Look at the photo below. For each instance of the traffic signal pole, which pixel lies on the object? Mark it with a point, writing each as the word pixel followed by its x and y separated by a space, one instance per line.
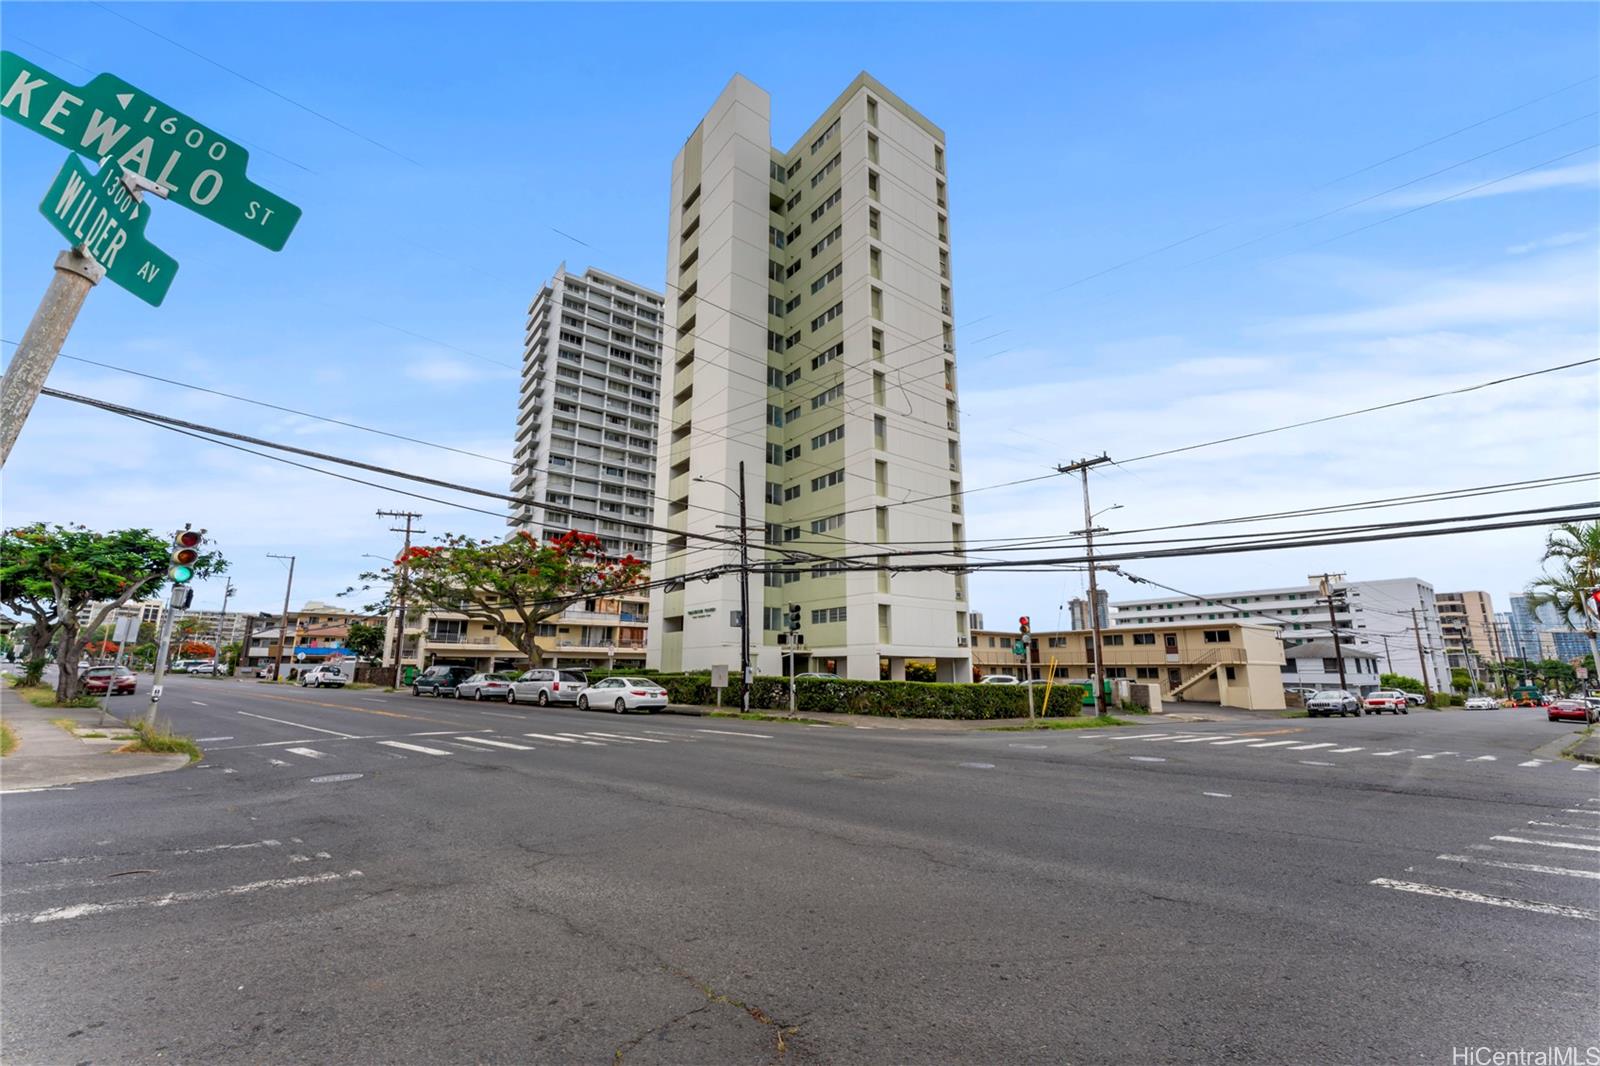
pixel 76 273
pixel 161 654
pixel 283 626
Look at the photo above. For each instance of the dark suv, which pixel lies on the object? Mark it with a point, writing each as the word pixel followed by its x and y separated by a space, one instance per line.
pixel 439 681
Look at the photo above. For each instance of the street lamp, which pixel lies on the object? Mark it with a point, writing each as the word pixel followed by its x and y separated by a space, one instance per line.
pixel 744 587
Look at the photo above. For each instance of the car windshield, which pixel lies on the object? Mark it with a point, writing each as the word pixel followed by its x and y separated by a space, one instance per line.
pixel 568 675
pixel 641 682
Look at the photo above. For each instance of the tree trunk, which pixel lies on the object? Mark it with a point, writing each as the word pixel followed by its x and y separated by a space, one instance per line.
pixel 68 648
pixel 39 637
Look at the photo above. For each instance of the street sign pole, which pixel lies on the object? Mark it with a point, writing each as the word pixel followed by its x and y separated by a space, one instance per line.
pixel 75 275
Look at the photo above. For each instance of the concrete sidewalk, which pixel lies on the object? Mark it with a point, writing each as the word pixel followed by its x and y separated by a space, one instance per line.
pixel 1587 749
pixel 47 756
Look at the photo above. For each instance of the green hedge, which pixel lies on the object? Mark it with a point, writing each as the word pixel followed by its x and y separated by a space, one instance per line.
pixel 899 699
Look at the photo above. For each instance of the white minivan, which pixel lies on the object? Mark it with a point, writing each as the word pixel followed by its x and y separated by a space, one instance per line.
pixel 327 674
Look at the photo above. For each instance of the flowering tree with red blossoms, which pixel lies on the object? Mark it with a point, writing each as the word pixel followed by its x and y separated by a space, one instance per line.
pixel 512 584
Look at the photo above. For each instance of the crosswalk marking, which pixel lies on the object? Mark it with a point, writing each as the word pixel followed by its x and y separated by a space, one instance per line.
pixel 1534 762
pixel 606 737
pixel 1483 758
pixel 310 753
pixel 1192 740
pixel 1494 901
pixel 1436 754
pixel 277 762
pixel 1548 843
pixel 413 747
pixel 1273 744
pixel 1239 740
pixel 498 743
pixel 1569 825
pixel 579 737
pixel 1309 747
pixel 548 736
pixel 1397 751
pixel 1145 736
pixel 1578 810
pixel 1344 751
pixel 734 733
pixel 1586 766
pixel 1593 875
pixel 618 736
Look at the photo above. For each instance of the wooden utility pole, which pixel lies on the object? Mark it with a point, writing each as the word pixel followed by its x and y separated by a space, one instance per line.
pixel 283 625
pixel 1082 467
pixel 1333 626
pixel 401 584
pixel 1422 658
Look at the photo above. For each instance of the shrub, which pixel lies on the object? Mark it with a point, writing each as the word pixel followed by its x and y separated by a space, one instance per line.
pixel 161 741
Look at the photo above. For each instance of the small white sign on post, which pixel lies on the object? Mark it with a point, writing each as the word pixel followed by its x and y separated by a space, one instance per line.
pixel 719 681
pixel 126 629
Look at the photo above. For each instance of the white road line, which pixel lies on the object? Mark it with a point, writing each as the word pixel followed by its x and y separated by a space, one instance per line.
pixel 1493 901
pixel 1311 747
pixel 498 714
pixel 1344 751
pixel 735 733
pixel 1146 758
pixel 1397 751
pixel 617 740
pixel 678 733
pixel 1436 754
pixel 1192 740
pixel 1167 736
pixel 1569 825
pixel 1534 762
pixel 277 762
pixel 1586 766
pixel 447 733
pixel 1579 810
pixel 470 747
pixel 1143 736
pixel 297 725
pixel 210 740
pixel 90 910
pixel 226 847
pixel 1241 740
pixel 548 736
pixel 620 736
pixel 1219 795
pixel 47 788
pixel 498 743
pixel 1314 762
pixel 1593 875
pixel 1274 744
pixel 1484 758
pixel 197 703
pixel 310 753
pixel 412 747
pixel 1548 843
pixel 582 739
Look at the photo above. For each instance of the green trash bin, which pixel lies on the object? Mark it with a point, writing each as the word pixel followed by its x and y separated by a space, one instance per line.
pixel 408 675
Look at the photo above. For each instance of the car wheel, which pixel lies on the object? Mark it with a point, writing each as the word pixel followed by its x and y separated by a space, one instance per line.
pixel 477 695
pixel 511 696
pixel 583 702
pixel 1405 710
pixel 622 705
pixel 415 691
pixel 544 698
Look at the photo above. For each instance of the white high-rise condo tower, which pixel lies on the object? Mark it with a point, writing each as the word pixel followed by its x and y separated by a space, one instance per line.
pixel 810 336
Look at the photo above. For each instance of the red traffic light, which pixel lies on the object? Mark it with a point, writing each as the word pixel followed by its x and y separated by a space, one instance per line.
pixel 187 538
pixel 1023 623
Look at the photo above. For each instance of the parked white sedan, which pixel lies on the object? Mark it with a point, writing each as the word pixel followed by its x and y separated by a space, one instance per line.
pixel 624 694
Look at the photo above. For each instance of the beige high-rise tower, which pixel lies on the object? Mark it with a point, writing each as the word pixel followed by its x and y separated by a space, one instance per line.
pixel 809 335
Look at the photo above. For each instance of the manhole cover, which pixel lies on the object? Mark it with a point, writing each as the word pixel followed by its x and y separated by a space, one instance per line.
pixel 328 779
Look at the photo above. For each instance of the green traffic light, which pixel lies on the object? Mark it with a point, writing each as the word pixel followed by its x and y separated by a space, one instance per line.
pixel 181 574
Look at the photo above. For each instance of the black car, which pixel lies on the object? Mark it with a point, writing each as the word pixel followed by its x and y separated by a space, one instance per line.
pixel 439 681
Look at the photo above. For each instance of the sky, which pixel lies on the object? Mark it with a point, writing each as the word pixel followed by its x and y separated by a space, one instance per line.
pixel 1169 224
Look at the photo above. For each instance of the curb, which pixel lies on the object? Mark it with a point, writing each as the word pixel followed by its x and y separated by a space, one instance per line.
pixel 1590 738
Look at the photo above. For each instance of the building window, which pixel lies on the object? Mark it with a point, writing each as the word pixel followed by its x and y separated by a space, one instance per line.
pixel 1111 640
pixel 822 440
pixel 827 356
pixel 872 111
pixel 791 533
pixel 822 208
pixel 791 453
pixel 774 451
pixel 774 415
pixel 1116 671
pixel 827 316
pixel 827 614
pixel 1217 636
pixel 791 414
pixel 827 168
pixel 1228 670
pixel 1147 673
pixel 827 134
pixel 791 377
pixel 791 493
pixel 823 525
pixel 828 480
pixel 818 248
pixel 833 272
pixel 1144 638
pixel 827 397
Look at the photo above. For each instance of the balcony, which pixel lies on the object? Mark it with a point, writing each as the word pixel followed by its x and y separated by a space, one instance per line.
pixel 443 642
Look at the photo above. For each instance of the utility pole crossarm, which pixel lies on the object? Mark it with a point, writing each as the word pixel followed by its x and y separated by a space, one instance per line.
pixel 1081 467
pixel 402 583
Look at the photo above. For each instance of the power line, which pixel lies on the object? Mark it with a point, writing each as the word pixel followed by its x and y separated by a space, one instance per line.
pixel 263 87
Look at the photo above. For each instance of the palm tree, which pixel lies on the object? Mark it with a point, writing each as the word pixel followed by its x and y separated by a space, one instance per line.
pixel 1574 549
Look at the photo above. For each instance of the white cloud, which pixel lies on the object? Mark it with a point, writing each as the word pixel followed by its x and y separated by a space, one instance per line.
pixel 1559 240
pixel 1576 175
pixel 438 371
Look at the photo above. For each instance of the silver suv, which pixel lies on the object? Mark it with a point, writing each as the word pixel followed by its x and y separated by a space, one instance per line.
pixel 545 686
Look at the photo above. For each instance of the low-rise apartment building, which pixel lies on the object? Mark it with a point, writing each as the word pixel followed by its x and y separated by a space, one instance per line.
pixel 1314 665
pixel 1227 663
pixel 604 632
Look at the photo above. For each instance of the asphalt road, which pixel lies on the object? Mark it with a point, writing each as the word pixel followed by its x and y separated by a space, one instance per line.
pixel 524 885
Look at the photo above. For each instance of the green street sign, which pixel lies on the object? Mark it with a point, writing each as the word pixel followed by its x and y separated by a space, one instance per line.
pixel 1019 648
pixel 110 118
pixel 98 213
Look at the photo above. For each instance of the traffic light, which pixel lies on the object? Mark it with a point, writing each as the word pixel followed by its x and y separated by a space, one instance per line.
pixel 185 553
pixel 794 618
pixel 1023 624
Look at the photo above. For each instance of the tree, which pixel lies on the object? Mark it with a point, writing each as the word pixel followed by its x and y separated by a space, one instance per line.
pixel 366 640
pixel 195 649
pixel 231 654
pixel 1401 682
pixel 186 629
pixel 1460 679
pixel 1572 570
pixel 54 572
pixel 1558 674
pixel 512 584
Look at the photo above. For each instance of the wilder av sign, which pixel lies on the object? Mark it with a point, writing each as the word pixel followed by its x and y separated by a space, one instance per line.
pixel 97 213
pixel 108 118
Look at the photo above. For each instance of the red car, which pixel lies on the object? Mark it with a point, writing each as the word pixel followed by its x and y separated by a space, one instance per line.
pixel 1572 711
pixel 119 679
pixel 1386 699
